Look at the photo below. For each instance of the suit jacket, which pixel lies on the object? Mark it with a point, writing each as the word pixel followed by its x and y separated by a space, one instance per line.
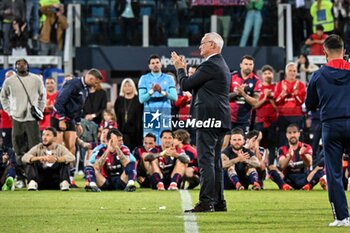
pixel 210 86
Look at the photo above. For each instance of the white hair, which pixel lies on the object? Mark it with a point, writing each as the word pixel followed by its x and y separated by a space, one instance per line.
pixel 131 82
pixel 290 64
pixel 216 38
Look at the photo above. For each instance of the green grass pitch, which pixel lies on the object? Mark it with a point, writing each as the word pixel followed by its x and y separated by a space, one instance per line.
pixel 150 211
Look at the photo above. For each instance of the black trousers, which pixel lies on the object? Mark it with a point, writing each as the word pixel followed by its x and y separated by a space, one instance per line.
pixel 209 142
pixel 48 177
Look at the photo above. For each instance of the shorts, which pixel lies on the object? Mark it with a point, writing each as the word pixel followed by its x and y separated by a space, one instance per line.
pixel 54 122
pixel 113 183
pixel 296 180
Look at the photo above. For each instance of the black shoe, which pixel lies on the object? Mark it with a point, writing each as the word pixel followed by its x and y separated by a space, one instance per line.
pixel 201 207
pixel 220 206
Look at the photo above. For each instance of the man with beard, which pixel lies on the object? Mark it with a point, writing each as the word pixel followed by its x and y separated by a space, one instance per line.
pixel 48 164
pixel 244 93
pixel 239 164
pixel 25 128
pixel 295 160
pixel 156 91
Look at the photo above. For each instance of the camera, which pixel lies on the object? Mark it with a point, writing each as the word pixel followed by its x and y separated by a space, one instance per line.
pixel 346 57
pixel 54 9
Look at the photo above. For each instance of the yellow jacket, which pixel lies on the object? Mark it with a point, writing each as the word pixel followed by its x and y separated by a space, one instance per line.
pixel 322 16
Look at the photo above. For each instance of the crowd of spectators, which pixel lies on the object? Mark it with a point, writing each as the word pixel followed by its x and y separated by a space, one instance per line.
pixel 36 27
pixel 32 27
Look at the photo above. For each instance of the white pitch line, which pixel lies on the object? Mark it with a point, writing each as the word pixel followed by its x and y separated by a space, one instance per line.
pixel 190 222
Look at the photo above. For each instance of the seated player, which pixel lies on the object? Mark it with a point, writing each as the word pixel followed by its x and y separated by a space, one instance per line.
pixel 318 174
pixel 295 160
pixel 182 141
pixel 145 156
pixel 171 163
pixel 48 163
pixel 7 169
pixel 275 172
pixel 253 144
pixel 97 152
pixel 115 169
pixel 239 164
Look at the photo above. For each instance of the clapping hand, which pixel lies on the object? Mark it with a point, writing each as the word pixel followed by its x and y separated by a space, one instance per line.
pixel 157 87
pixel 240 89
pixel 302 149
pixel 291 152
pixel 187 94
pixel 178 61
pixel 284 89
pixel 267 93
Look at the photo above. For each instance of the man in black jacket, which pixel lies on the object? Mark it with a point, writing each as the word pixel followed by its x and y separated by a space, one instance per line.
pixel 211 113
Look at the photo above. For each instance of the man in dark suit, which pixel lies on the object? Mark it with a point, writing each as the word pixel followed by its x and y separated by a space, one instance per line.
pixel 211 112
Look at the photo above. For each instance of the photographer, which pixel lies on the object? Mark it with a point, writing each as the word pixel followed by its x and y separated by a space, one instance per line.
pixel 51 36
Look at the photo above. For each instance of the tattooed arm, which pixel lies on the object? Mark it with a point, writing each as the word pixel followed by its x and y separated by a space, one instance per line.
pixel 124 159
pixel 102 160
